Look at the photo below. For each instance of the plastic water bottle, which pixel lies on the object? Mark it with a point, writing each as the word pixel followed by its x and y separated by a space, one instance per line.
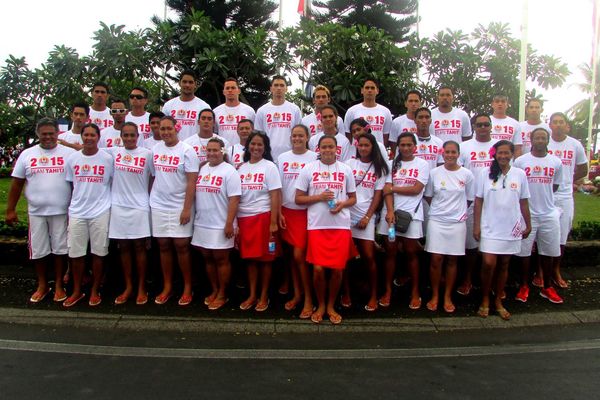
pixel 392 233
pixel 353 221
pixel 272 244
pixel 331 202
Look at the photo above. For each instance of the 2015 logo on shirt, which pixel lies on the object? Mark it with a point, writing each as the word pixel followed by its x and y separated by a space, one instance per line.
pixel 44 160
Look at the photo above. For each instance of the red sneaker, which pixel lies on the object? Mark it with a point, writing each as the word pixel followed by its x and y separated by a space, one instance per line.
pixel 537 281
pixel 523 294
pixel 551 295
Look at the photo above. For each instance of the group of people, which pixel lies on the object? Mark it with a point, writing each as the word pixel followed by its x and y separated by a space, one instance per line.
pixel 315 190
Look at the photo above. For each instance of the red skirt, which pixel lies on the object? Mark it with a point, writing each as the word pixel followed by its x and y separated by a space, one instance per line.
pixel 254 237
pixel 330 248
pixel 295 233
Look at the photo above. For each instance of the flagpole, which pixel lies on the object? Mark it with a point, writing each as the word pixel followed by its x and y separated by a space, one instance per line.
pixel 523 74
pixel 594 64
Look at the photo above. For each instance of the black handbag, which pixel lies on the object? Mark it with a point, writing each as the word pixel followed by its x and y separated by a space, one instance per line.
pixel 403 219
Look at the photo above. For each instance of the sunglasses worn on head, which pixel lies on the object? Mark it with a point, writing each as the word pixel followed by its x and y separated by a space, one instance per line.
pixel 136 96
pixel 482 124
pixel 118 110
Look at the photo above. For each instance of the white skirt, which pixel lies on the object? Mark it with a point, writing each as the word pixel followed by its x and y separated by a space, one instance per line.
pixel 365 234
pixel 128 223
pixel 446 238
pixel 497 246
pixel 212 239
pixel 165 223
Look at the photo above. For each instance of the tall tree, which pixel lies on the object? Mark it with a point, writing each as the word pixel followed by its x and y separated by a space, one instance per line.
pixel 580 111
pixel 243 15
pixel 394 17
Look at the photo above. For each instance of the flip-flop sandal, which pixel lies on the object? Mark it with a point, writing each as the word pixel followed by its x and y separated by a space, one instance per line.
pixel 95 301
pixel 483 312
pixel 503 313
pixel 416 305
pixel 59 299
pixel 38 299
pixel 384 301
pixel 208 299
pixel 369 308
pixel 71 301
pixel 464 291
pixel 162 299
pixel 560 284
pixel 121 299
pixel 260 307
pixel 432 306
pixel 185 299
pixel 141 299
pixel 216 304
pixel 246 305
pixel 335 319
pixel 449 308
pixel 345 304
pixel 306 314
pixel 291 305
pixel 316 318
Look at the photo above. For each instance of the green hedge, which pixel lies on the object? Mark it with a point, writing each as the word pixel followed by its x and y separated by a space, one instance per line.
pixel 5 172
pixel 586 230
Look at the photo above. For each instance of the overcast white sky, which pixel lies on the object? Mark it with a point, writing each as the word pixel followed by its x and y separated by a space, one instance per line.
pixel 563 29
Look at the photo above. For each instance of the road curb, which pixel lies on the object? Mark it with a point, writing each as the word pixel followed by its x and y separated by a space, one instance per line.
pixel 49 318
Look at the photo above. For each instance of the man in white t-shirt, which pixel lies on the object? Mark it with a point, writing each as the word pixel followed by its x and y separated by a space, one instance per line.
pixel 321 97
pixel 90 171
pixel 186 107
pixel 99 112
pixel 229 114
pixel 154 119
pixel 236 151
pixel 533 111
pixel 448 122
pixel 329 116
pixel 42 168
pixel 475 156
pixel 429 148
pixel 406 122
pixel 575 166
pixel 379 117
pixel 111 136
pixel 80 113
pixel 277 117
pixel 505 127
pixel 206 122
pixel 544 175
pixel 138 98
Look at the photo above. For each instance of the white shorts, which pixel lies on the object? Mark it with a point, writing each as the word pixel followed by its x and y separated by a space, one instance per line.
pixel 497 246
pixel 447 238
pixel 128 223
pixel 567 207
pixel 165 223
pixel 94 231
pixel 470 242
pixel 47 234
pixel 212 239
pixel 365 234
pixel 545 232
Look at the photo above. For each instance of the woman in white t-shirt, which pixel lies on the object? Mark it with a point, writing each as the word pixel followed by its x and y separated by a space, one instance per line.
pixel 218 191
pixel 501 206
pixel 449 192
pixel 258 215
pixel 370 171
pixel 404 191
pixel 293 219
pixel 328 189
pixel 172 204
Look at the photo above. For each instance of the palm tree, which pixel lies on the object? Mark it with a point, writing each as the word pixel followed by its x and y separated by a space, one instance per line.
pixel 580 111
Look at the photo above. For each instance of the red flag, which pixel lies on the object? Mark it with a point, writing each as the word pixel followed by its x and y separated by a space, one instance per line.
pixel 301 7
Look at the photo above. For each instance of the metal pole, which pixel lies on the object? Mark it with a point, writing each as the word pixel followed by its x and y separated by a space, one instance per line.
pixel 596 25
pixel 523 74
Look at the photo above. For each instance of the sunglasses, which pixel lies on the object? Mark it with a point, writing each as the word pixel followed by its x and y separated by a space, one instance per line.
pixel 482 125
pixel 136 96
pixel 118 110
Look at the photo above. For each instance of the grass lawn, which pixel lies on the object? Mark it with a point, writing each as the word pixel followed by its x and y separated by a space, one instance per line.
pixel 21 205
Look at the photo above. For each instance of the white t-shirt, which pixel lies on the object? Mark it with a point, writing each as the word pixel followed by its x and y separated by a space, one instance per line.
pixel 70 137
pixel 214 187
pixel 343 150
pixel 475 155
pixel 46 191
pixel 290 165
pixel 378 117
pixel 313 123
pixel 277 122
pixel 151 142
pixel 110 137
pixel 382 150
pixel 101 118
pixel 132 172
pixel 400 125
pixel 409 173
pixel 199 144
pixel 170 167
pixel 366 183
pixel 453 125
pixel 258 180
pixel 143 124
pixel 506 128
pixel 526 130
pixel 450 191
pixel 227 119
pixel 501 217
pixel 316 178
pixel 236 155
pixel 571 153
pixel 186 113
pixel 542 173
pixel 91 177
pixel 430 150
